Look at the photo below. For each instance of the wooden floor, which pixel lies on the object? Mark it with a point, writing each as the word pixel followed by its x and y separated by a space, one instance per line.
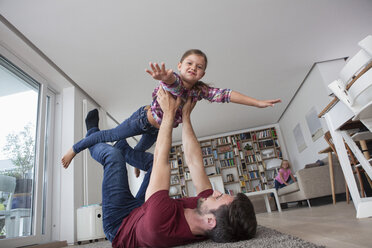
pixel 329 225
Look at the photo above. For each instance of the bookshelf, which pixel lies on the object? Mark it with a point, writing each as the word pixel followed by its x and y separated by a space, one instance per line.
pixel 237 161
pixel 179 173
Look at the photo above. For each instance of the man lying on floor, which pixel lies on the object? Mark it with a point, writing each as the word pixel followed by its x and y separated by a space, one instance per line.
pixel 152 218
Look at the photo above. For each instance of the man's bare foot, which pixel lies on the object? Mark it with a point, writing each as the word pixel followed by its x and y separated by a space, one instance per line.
pixel 66 160
pixel 137 172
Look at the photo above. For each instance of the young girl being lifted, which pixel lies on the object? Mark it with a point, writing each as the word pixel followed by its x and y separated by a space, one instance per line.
pixel 146 120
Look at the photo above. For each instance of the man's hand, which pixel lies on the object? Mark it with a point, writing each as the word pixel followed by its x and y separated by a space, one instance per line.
pixel 167 102
pixel 162 74
pixel 188 107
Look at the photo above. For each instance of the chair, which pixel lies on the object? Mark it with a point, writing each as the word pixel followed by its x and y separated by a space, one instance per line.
pixel 353 89
pixel 356 170
pixel 354 86
pixel 366 44
pixel 7 185
pixel 17 221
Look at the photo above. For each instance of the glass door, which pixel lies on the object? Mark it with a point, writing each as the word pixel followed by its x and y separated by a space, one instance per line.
pixel 25 134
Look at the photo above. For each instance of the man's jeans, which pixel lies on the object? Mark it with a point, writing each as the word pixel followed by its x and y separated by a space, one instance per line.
pixel 117 199
pixel 135 125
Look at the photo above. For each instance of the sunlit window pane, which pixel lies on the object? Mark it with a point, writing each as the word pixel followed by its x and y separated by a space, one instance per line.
pixel 18 110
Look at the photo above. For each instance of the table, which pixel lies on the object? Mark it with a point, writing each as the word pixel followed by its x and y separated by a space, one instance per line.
pixel 265 193
pixel 329 151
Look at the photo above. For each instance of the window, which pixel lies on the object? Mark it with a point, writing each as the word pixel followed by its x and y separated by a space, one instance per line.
pixel 25 138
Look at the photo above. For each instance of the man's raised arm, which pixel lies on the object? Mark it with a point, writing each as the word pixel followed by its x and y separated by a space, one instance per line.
pixel 160 175
pixel 192 150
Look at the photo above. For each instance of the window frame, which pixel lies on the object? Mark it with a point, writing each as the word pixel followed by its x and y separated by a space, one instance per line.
pixel 13 64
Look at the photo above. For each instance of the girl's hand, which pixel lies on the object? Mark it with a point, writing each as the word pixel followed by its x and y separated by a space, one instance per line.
pixel 267 103
pixel 161 74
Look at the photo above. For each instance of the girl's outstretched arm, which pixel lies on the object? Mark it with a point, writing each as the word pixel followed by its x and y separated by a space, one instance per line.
pixel 161 74
pixel 237 97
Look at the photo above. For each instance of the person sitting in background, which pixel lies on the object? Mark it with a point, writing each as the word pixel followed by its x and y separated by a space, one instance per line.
pixel 285 176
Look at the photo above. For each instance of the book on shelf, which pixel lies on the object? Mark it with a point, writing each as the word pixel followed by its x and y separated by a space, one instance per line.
pixel 182 181
pixel 252 167
pixel 254 137
pixel 233 140
pixel 223 149
pixel 173 164
pixel 245 136
pixel 273 133
pixel 208 161
pixel 227 163
pixel 241 154
pixel 224 140
pixel 263 179
pixel 205 143
pixel 218 170
pixel 279 153
pixel 236 151
pixel 183 190
pixel 254 175
pixel 226 155
pixel 206 151
pixel 261 168
pixel 266 143
pixel 265 134
pixel 215 154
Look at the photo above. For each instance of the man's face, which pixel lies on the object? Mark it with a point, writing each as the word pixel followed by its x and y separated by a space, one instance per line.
pixel 213 202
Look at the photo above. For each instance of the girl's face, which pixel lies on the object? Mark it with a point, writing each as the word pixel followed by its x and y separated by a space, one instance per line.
pixel 285 165
pixel 191 69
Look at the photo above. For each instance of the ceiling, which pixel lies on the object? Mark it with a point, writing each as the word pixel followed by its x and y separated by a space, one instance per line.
pixel 262 48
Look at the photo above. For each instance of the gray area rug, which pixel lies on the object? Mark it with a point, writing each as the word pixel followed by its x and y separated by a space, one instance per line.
pixel 265 237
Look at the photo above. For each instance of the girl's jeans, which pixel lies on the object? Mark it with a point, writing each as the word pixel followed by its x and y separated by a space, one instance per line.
pixel 135 125
pixel 280 185
pixel 117 199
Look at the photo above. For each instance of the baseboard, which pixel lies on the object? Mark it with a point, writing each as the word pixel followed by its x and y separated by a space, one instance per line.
pixel 54 244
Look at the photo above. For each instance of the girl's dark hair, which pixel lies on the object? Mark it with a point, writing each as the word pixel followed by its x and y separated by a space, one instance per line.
pixel 234 222
pixel 200 85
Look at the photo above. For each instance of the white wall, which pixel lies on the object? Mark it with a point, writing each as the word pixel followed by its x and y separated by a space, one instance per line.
pixel 313 93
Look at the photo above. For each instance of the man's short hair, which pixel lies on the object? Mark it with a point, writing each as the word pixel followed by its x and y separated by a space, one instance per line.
pixel 234 222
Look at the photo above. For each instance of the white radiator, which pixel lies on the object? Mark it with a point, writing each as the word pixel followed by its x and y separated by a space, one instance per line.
pixel 89 223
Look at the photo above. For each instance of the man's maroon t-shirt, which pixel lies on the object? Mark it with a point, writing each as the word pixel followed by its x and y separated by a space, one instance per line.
pixel 159 222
